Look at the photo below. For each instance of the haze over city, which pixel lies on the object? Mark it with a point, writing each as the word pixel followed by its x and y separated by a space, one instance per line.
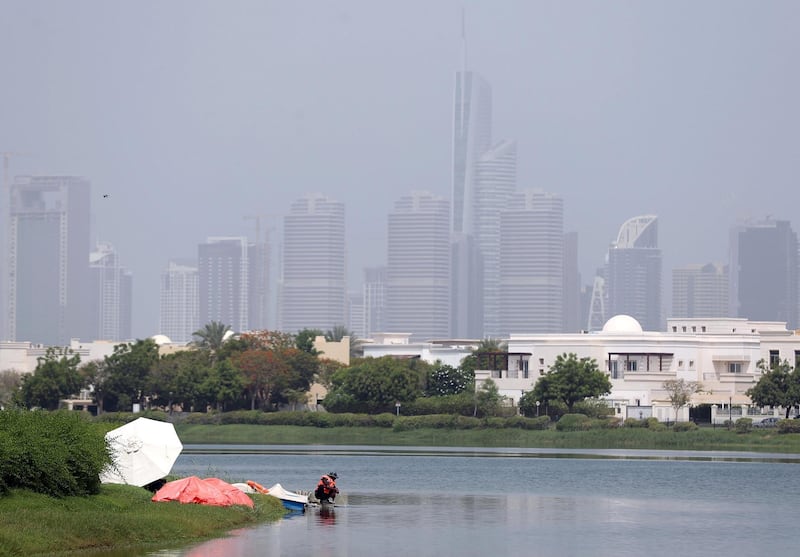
pixel 187 117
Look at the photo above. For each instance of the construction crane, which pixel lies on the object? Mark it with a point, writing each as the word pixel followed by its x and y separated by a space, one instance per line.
pixel 258 218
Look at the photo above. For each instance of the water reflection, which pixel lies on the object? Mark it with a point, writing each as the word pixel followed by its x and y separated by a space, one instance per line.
pixel 516 502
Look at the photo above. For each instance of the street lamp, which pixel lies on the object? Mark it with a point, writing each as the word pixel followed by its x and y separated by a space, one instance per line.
pixel 397 408
pixel 730 410
pixel 537 408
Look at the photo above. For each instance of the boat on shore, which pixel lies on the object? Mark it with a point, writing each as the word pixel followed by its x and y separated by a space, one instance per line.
pixel 292 500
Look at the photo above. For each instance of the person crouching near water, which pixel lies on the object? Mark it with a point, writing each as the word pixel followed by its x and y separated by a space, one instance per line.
pixel 326 490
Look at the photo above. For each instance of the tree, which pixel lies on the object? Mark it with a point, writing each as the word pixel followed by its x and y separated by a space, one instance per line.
pixel 212 336
pixel 570 380
pixel 446 380
pixel 778 385
pixel 485 356
pixel 376 384
pixel 339 332
pixel 679 392
pixel 263 371
pixel 56 376
pixel 128 370
pixel 223 386
pixel 304 340
pixel 488 399
pixel 10 381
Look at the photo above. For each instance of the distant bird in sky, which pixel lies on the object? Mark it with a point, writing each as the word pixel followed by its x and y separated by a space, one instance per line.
pixel 105 195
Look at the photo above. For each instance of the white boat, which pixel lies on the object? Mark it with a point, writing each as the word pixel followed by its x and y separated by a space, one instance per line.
pixel 291 500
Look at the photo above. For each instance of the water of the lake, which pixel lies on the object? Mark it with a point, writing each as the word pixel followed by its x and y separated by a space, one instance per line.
pixel 509 502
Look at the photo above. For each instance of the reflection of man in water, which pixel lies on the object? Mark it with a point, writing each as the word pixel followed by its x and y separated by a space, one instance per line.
pixel 327 516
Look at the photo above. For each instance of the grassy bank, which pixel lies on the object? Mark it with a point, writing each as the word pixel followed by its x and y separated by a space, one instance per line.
pixel 703 439
pixel 119 518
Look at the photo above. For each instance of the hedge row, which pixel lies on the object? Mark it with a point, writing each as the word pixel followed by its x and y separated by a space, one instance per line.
pixel 387 420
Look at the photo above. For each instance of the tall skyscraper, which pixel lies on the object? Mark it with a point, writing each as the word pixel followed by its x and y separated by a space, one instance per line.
pixel 532 264
pixel 572 286
pixel 472 130
pixel 313 289
pixel 374 300
pixel 418 271
pixel 179 311
pixel 495 183
pixel 763 271
pixel 110 300
pixel 700 291
pixel 224 266
pixel 355 314
pixel 634 273
pixel 48 259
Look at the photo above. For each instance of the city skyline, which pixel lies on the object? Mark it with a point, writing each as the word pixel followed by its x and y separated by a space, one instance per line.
pixel 621 110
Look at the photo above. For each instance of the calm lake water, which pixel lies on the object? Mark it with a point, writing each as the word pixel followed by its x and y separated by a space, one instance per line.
pixel 533 502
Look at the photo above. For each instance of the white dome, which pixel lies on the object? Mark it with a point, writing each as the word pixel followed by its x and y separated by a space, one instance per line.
pixel 228 334
pixel 161 339
pixel 622 324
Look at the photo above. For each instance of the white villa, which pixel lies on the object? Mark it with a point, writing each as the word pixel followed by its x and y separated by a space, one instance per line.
pixel 720 353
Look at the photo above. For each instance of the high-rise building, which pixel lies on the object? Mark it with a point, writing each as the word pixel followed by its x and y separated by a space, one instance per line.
pixel 313 289
pixel 634 273
pixel 700 291
pixel 763 271
pixel 495 183
pixel 110 300
pixel 48 289
pixel 179 311
pixel 259 299
pixel 532 264
pixel 418 270
pixel 374 300
pixel 572 286
pixel 355 314
pixel 472 131
pixel 224 266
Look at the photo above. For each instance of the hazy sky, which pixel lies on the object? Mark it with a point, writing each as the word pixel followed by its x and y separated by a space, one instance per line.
pixel 193 114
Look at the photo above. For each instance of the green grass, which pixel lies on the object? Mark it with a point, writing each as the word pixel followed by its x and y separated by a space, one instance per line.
pixel 120 517
pixel 703 439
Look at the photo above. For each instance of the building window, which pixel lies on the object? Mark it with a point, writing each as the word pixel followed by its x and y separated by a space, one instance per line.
pixel 703 329
pixel 541 361
pixel 680 364
pixel 774 358
pixel 691 364
pixel 674 329
pixel 694 329
pixel 541 372
pixel 796 358
pixel 734 367
pixel 630 365
pixel 684 328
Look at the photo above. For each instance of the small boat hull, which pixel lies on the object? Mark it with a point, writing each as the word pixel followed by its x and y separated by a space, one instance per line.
pixel 292 501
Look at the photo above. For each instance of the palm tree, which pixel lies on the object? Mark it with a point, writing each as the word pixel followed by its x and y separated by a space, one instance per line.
pixel 339 332
pixel 212 336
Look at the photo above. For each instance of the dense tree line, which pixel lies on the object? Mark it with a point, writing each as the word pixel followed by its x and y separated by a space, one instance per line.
pixel 266 370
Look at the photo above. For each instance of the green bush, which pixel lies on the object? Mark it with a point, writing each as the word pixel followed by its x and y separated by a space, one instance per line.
pixel 789 426
pixel 520 422
pixel 611 422
pixel 593 408
pixel 574 422
pixel 686 426
pixel 633 422
pixel 55 453
pixel 744 425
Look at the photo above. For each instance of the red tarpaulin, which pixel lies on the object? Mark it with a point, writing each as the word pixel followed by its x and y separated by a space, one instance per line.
pixel 211 491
